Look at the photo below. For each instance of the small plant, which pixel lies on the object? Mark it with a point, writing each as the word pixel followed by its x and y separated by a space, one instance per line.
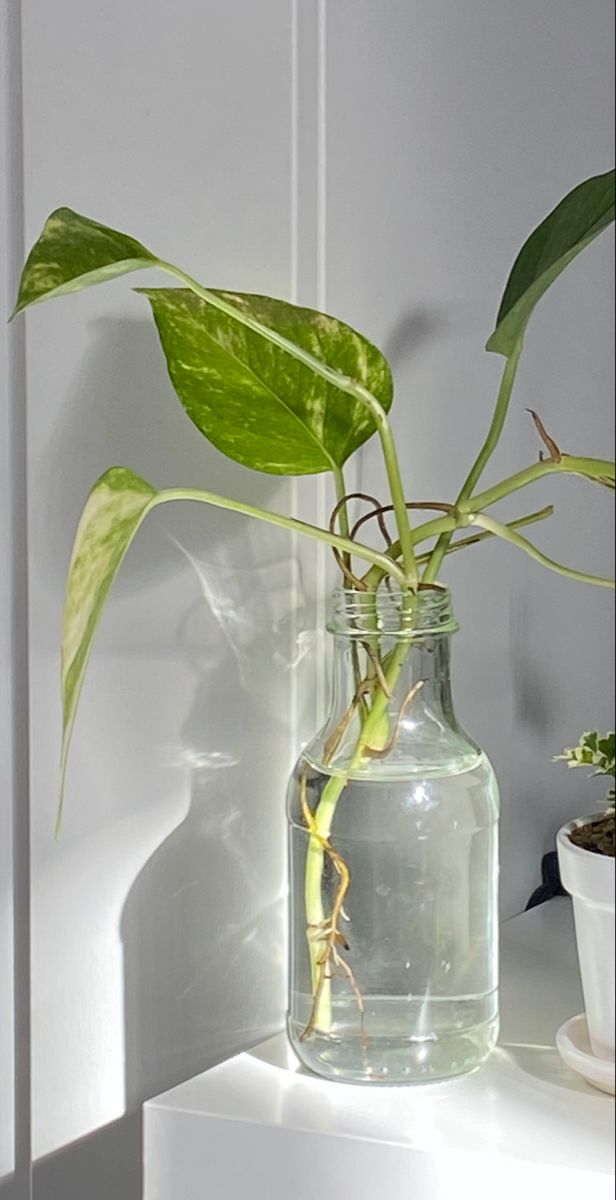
pixel 290 391
pixel 597 750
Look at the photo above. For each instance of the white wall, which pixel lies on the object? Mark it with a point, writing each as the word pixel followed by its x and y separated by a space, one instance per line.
pixel 453 129
pixel 7 1160
pixel 385 161
pixel 158 920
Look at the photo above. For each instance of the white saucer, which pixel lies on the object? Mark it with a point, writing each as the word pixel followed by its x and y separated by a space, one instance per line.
pixel 574 1048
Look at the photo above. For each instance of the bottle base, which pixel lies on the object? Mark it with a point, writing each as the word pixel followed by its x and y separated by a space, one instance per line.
pixel 388 1059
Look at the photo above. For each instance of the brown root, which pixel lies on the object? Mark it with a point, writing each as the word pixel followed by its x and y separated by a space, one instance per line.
pixel 379 512
pixel 377 667
pixel 344 560
pixel 364 687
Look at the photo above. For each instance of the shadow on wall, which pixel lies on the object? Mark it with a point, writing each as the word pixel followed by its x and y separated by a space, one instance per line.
pixel 122 411
pixel 99 1167
pixel 414 331
pixel 202 927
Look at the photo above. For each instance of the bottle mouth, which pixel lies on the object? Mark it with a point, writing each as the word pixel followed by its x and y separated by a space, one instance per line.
pixel 391 612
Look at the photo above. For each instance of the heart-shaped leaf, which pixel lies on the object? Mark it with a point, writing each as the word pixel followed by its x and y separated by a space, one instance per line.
pixel 256 402
pixel 269 383
pixel 576 222
pixel 74 252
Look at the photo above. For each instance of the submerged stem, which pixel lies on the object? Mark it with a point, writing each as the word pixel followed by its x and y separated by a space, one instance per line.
pixel 321 827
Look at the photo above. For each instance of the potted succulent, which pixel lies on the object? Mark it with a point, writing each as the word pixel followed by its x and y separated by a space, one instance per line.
pixel 393 808
pixel 586 857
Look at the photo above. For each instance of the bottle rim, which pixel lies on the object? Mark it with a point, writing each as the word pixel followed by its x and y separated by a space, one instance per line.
pixel 392 613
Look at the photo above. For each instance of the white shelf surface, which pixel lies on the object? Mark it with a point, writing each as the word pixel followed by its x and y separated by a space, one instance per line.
pixel 259 1128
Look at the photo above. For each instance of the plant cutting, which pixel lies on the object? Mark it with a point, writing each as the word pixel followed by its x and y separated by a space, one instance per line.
pixel 393 808
pixel 586 857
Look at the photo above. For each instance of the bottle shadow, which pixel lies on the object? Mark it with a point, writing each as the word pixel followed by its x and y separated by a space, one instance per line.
pixel 203 925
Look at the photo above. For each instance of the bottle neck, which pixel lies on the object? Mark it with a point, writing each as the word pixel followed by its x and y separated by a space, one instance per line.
pixel 391 702
pixel 424 668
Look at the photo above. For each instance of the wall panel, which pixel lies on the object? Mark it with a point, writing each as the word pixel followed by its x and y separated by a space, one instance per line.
pixel 158 919
pixel 452 130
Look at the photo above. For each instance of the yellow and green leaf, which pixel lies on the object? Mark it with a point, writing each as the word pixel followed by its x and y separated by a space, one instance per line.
pixel 252 399
pixel 73 253
pixel 116 507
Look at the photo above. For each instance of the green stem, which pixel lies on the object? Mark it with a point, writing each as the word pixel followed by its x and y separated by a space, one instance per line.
pixel 382 561
pixel 313 896
pixel 343 513
pixel 433 528
pixel 476 538
pixel 422 533
pixel 405 533
pixel 498 423
pixel 323 818
pixel 494 433
pixel 516 539
pixel 336 379
pixel 597 470
pixel 343 516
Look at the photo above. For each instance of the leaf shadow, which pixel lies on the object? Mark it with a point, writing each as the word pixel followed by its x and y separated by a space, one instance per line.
pixel 206 912
pixel 186 965
pixel 121 410
pixel 414 330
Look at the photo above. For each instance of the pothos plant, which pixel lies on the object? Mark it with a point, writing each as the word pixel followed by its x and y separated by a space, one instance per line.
pixel 290 391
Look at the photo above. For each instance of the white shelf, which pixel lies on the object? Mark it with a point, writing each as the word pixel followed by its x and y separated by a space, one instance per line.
pixel 259 1128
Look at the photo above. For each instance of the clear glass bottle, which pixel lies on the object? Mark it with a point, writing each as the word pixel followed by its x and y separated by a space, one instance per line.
pixel 393 816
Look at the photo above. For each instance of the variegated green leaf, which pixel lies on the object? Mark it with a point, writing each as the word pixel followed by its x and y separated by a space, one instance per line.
pixel 269 383
pixel 256 402
pixel 74 252
pixel 596 750
pixel 572 226
pixel 117 505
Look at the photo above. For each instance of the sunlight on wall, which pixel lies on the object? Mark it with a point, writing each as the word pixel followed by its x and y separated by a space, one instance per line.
pixel 154 909
pixel 78 904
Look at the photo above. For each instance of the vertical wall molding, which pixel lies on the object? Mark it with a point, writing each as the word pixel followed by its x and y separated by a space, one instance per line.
pixel 16 531
pixel 311 497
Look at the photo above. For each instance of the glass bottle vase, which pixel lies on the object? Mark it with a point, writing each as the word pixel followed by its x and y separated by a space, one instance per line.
pixel 393 833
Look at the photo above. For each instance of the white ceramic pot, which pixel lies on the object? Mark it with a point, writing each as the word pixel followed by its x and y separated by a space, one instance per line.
pixel 590 880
